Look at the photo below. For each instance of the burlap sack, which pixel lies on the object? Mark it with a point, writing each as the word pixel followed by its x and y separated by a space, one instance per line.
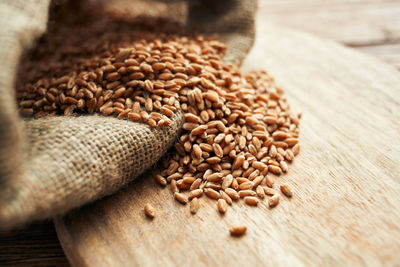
pixel 51 165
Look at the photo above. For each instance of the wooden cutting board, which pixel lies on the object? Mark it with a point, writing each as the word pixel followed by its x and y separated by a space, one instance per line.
pixel 346 179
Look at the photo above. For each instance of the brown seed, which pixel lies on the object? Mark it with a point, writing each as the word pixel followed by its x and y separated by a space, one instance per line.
pixel 149 211
pixel 289 155
pixel 188 179
pixel 272 151
pixel 211 96
pixel 291 141
pixel 253 175
pixel 275 169
pixel 238 230
pixel 226 197
pixel 222 205
pixel 165 76
pixel 146 67
pixel 296 149
pixel 242 142
pixel 246 185
pixel 26 111
pixel 204 116
pixel 218 150
pixel 174 176
pixel 199 130
pixel 181 198
pixel 273 201
pixel 197 151
pixel 238 162
pixel 174 186
pixel 235 184
pixel 260 192
pixel 286 190
pixel 227 181
pixel 269 191
pixel 213 160
pixel 206 147
pixel 270 120
pixel 195 184
pixel 158 66
pixel 152 123
pixel 211 193
pixel 259 166
pixel 195 193
pixel 173 167
pixel 232 193
pixel 194 205
pixel 189 117
pixel 107 111
pixel 215 186
pixel 148 85
pixel 149 105
pixel 144 116
pixel 241 180
pixel 283 165
pixel 258 180
pixel 215 177
pixel 246 193
pixel 161 180
pixel 252 201
pixel 166 111
pixel 134 116
pixel 269 181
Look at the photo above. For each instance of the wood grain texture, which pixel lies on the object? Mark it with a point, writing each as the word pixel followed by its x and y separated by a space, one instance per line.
pixel 345 209
pixel 372 26
pixel 34 245
pixel 390 53
pixel 354 22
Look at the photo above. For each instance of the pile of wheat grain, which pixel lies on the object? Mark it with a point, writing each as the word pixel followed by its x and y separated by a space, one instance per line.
pixel 238 127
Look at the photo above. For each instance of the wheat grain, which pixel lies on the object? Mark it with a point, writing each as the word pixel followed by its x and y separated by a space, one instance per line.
pixel 222 205
pixel 194 205
pixel 238 230
pixel 149 211
pixel 252 201
pixel 181 198
pixel 273 201
pixel 286 190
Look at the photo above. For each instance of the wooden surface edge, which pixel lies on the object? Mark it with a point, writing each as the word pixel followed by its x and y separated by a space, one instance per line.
pixel 75 259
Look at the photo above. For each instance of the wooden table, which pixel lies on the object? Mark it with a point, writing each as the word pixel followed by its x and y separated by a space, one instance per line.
pixel 369 26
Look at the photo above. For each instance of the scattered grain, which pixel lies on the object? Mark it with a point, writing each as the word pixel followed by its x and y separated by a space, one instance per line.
pixel 238 230
pixel 222 205
pixel 181 198
pixel 252 201
pixel 286 190
pixel 149 211
pixel 273 201
pixel 194 205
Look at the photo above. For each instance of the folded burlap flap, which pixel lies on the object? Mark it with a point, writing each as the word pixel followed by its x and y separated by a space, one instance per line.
pixel 51 165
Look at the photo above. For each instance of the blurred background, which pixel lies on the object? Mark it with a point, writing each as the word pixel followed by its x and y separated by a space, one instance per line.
pixel 369 26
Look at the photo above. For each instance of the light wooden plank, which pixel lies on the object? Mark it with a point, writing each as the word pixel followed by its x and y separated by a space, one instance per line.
pixel 389 53
pixel 355 22
pixel 345 210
